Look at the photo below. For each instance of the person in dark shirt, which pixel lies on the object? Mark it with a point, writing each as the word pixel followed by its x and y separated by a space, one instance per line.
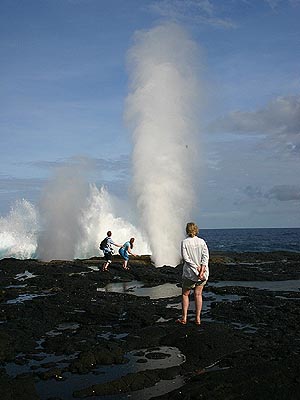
pixel 108 251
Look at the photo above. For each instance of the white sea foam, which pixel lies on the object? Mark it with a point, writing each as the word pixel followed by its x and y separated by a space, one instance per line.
pixel 18 231
pixel 21 229
pixel 100 216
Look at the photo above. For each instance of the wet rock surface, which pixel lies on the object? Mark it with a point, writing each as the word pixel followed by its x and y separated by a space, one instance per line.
pixel 63 336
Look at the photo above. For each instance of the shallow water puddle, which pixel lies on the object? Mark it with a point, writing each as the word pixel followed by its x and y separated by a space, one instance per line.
pixel 27 296
pixel 206 306
pixel 138 360
pixel 38 363
pixel 281 286
pixel 247 328
pixel 137 288
pixel 25 275
pixel 207 301
pixel 111 336
pixel 16 286
pixel 73 326
pixel 94 268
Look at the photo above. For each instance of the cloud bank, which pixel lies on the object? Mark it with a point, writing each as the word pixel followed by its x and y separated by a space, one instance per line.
pixel 276 192
pixel 278 124
pixel 191 11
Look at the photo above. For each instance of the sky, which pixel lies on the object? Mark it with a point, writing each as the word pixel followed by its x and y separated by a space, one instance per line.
pixel 64 83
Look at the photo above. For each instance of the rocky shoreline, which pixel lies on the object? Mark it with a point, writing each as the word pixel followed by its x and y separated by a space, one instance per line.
pixel 63 336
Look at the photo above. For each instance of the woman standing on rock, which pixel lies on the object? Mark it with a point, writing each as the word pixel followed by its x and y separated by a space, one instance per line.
pixel 124 252
pixel 195 272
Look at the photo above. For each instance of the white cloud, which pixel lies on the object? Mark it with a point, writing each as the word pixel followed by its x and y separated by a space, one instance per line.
pixel 284 193
pixel 191 11
pixel 277 192
pixel 278 124
pixel 274 4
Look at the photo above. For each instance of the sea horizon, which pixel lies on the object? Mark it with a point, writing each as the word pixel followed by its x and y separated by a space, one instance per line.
pixel 238 240
pixel 252 239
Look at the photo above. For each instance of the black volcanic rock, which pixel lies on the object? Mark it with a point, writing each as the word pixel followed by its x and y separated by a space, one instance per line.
pixel 57 321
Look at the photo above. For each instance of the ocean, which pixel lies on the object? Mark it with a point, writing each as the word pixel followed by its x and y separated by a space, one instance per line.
pixel 252 239
pixel 231 240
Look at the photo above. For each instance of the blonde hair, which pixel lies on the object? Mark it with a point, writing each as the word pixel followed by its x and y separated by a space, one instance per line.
pixel 191 229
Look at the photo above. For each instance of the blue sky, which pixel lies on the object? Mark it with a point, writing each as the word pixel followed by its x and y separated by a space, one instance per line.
pixel 64 83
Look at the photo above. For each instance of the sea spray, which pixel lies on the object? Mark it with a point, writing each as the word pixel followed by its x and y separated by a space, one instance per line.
pixel 21 229
pixel 61 205
pixel 161 111
pixel 18 231
pixel 101 215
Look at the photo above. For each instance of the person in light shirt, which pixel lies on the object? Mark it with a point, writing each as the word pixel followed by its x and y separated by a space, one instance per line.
pixel 195 272
pixel 124 252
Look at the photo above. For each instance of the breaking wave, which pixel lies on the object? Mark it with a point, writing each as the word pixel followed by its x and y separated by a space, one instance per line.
pixel 21 229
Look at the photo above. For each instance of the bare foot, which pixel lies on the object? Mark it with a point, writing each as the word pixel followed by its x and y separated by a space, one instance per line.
pixel 181 321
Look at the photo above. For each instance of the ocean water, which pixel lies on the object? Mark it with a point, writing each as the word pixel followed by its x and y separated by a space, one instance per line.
pixel 252 239
pixel 232 240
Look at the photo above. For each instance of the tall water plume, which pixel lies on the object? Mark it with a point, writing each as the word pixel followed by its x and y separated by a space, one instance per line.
pixel 161 111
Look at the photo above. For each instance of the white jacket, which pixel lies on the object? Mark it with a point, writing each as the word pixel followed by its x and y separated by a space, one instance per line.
pixel 194 252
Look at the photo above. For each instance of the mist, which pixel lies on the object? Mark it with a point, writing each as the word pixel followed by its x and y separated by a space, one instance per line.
pixel 27 233
pixel 60 209
pixel 162 113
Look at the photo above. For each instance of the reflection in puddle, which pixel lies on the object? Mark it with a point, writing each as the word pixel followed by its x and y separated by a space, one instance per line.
pixel 26 297
pixel 73 326
pixel 110 336
pixel 138 360
pixel 285 286
pixel 161 319
pixel 136 288
pixel 40 344
pixel 214 367
pixel 25 275
pixel 206 307
pixel 15 286
pixel 172 290
pixel 244 327
pixel 82 273
pixel 40 363
pixel 94 268
pixel 67 325
pixel 207 301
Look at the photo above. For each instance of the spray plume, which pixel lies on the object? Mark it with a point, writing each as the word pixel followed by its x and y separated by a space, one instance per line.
pixel 61 205
pixel 161 113
pixel 25 227
pixel 98 217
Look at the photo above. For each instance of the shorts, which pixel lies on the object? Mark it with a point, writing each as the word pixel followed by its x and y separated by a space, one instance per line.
pixel 188 284
pixel 108 256
pixel 123 253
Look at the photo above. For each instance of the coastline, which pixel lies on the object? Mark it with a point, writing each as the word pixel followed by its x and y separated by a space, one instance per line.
pixel 247 346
